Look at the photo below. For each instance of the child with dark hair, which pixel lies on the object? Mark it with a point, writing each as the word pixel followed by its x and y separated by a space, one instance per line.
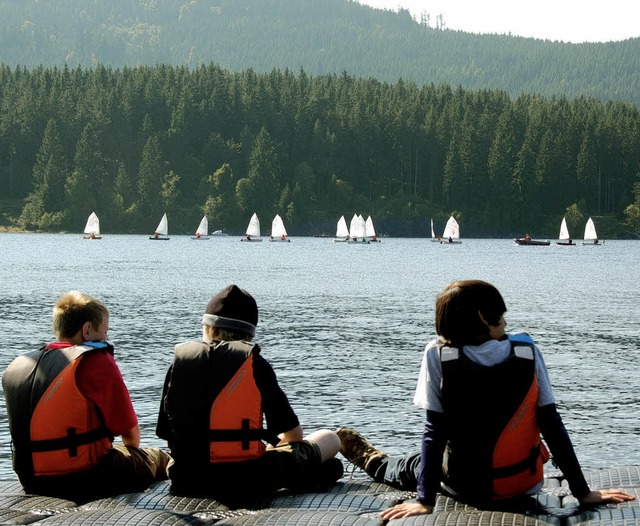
pixel 488 400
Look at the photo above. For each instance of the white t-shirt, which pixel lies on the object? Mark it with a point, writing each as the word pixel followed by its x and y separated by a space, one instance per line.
pixel 428 394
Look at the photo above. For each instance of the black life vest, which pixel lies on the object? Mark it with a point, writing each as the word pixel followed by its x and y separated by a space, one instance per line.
pixel 213 405
pixel 494 449
pixel 54 428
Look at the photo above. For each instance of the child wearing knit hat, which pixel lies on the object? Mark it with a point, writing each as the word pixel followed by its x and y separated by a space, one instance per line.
pixel 217 395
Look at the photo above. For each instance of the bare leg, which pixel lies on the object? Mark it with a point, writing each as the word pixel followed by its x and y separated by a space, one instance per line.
pixel 327 441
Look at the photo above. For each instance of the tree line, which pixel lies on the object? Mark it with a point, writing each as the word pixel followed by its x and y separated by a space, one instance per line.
pixel 323 36
pixel 133 143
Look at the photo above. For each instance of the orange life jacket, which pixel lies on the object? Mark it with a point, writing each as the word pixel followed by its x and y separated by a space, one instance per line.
pixel 235 421
pixel 222 373
pixel 495 449
pixel 55 429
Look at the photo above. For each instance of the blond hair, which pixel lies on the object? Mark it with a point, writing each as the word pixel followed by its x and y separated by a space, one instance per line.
pixel 218 334
pixel 73 309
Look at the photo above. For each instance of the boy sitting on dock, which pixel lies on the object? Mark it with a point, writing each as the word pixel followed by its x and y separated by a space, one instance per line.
pixel 66 402
pixel 215 395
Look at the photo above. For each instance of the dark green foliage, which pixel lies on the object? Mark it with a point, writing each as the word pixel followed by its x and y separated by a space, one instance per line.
pixel 323 36
pixel 148 140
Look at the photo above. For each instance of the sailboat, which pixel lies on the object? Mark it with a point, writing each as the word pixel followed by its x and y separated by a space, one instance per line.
pixel 342 231
pixel 564 238
pixel 253 229
pixel 451 232
pixel 370 231
pixel 433 234
pixel 203 228
pixel 590 235
pixel 278 231
pixel 358 230
pixel 162 230
pixel 92 228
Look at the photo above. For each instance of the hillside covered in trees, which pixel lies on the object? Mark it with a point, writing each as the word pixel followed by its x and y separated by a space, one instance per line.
pixel 324 37
pixel 132 143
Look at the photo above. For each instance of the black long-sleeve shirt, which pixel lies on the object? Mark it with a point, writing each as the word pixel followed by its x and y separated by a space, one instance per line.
pixel 553 430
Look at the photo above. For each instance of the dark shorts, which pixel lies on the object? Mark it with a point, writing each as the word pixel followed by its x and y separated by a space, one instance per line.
pixel 296 466
pixel 124 469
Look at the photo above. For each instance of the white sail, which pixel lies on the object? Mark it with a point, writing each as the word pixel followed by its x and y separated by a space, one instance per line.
pixel 358 227
pixel 203 228
pixel 342 231
pixel 370 231
pixel 163 226
pixel 277 228
pixel 253 229
pixel 451 230
pixel 590 234
pixel 564 231
pixel 93 225
pixel 433 234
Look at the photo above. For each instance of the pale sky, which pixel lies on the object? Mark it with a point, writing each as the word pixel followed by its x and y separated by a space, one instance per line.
pixel 565 20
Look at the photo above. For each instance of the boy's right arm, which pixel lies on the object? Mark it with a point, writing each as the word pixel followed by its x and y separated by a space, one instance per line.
pixel 132 437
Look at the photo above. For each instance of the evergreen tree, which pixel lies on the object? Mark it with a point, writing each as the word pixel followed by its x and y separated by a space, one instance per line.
pixel 150 179
pixel 45 205
pixel 84 185
pixel 264 174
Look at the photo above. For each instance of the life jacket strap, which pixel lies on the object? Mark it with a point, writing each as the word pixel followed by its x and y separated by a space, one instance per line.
pixel 71 442
pixel 244 435
pixel 530 463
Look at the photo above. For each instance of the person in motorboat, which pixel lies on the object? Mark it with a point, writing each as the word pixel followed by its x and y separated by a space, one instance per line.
pixel 527 237
pixel 215 396
pixel 66 402
pixel 488 399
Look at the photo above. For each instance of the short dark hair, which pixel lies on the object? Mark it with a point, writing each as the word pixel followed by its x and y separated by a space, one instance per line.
pixel 458 310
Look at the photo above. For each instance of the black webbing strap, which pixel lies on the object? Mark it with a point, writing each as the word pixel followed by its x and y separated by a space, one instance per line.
pixel 244 435
pixel 530 463
pixel 70 442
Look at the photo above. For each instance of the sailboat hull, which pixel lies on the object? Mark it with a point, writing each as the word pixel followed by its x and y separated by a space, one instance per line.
pixel 565 243
pixel 91 237
pixel 532 242
pixel 161 238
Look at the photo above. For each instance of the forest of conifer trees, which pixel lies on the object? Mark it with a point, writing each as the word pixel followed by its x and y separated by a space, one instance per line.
pixel 132 143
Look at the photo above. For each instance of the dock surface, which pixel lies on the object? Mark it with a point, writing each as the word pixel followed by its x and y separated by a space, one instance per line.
pixel 350 502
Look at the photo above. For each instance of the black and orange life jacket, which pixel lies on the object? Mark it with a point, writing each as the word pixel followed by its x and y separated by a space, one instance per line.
pixel 494 449
pixel 54 428
pixel 228 418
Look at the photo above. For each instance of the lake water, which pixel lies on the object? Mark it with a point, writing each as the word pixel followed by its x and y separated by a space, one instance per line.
pixel 345 325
